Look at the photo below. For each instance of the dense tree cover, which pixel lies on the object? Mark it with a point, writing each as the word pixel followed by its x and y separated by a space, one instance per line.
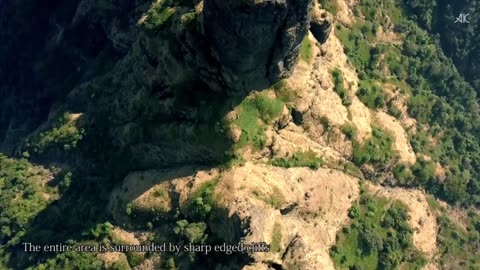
pixel 20 197
pixel 371 95
pixel 28 214
pixel 459 41
pixel 379 237
pixel 444 104
pixel 459 247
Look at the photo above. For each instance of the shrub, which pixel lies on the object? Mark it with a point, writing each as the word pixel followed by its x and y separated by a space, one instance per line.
pixel 372 96
pixel 158 16
pixel 379 236
pixel 377 150
pixel 299 159
pixel 268 108
pixel 193 232
pixel 403 174
pixel 283 92
pixel 63 134
pixel 339 88
pixel 21 198
pixel 330 6
pixel 353 212
pixel 202 201
pixel 349 130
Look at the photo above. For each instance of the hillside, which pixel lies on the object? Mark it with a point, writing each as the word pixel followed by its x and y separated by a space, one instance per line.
pixel 342 134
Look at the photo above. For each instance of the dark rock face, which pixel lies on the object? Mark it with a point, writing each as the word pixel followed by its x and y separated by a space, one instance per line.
pixel 321 26
pixel 255 41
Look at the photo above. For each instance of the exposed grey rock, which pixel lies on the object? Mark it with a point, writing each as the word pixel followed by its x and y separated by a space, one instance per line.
pixel 255 41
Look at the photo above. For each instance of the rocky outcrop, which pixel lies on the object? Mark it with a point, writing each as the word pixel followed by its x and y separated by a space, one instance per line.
pixel 255 41
pixel 321 26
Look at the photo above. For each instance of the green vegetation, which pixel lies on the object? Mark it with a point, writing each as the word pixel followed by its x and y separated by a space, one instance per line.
pixel 458 40
pixel 350 168
pixel 357 47
pixel 330 6
pixel 135 258
pixel 394 111
pixel 26 215
pixel 299 159
pixel 188 18
pixel 253 112
pixel 349 130
pixel 21 198
pixel 275 199
pixel 372 95
pixel 459 248
pixel 379 237
pixel 72 260
pixel 120 264
pixel 306 50
pixel 63 134
pixel 338 82
pixel 276 243
pixel 377 150
pixel 158 15
pixel 402 173
pixel 284 93
pixel 202 201
pixel 192 232
pixel 192 222
pixel 442 102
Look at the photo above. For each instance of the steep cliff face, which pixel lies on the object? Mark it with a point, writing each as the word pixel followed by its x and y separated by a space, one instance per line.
pixel 256 42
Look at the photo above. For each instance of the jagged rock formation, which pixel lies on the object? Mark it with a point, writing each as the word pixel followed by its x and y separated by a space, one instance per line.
pixel 321 26
pixel 256 42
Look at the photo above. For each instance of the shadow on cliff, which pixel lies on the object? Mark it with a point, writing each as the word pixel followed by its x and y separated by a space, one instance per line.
pixel 98 166
pixel 191 135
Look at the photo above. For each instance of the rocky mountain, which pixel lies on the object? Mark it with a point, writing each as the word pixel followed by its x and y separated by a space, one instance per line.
pixel 256 42
pixel 322 129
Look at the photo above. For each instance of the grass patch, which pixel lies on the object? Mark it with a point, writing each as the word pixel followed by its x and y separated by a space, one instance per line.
pixel 269 108
pixel 330 6
pixel 299 159
pixel 379 237
pixel 253 113
pixel 276 243
pixel 275 199
pixel 306 53
pixel 432 203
